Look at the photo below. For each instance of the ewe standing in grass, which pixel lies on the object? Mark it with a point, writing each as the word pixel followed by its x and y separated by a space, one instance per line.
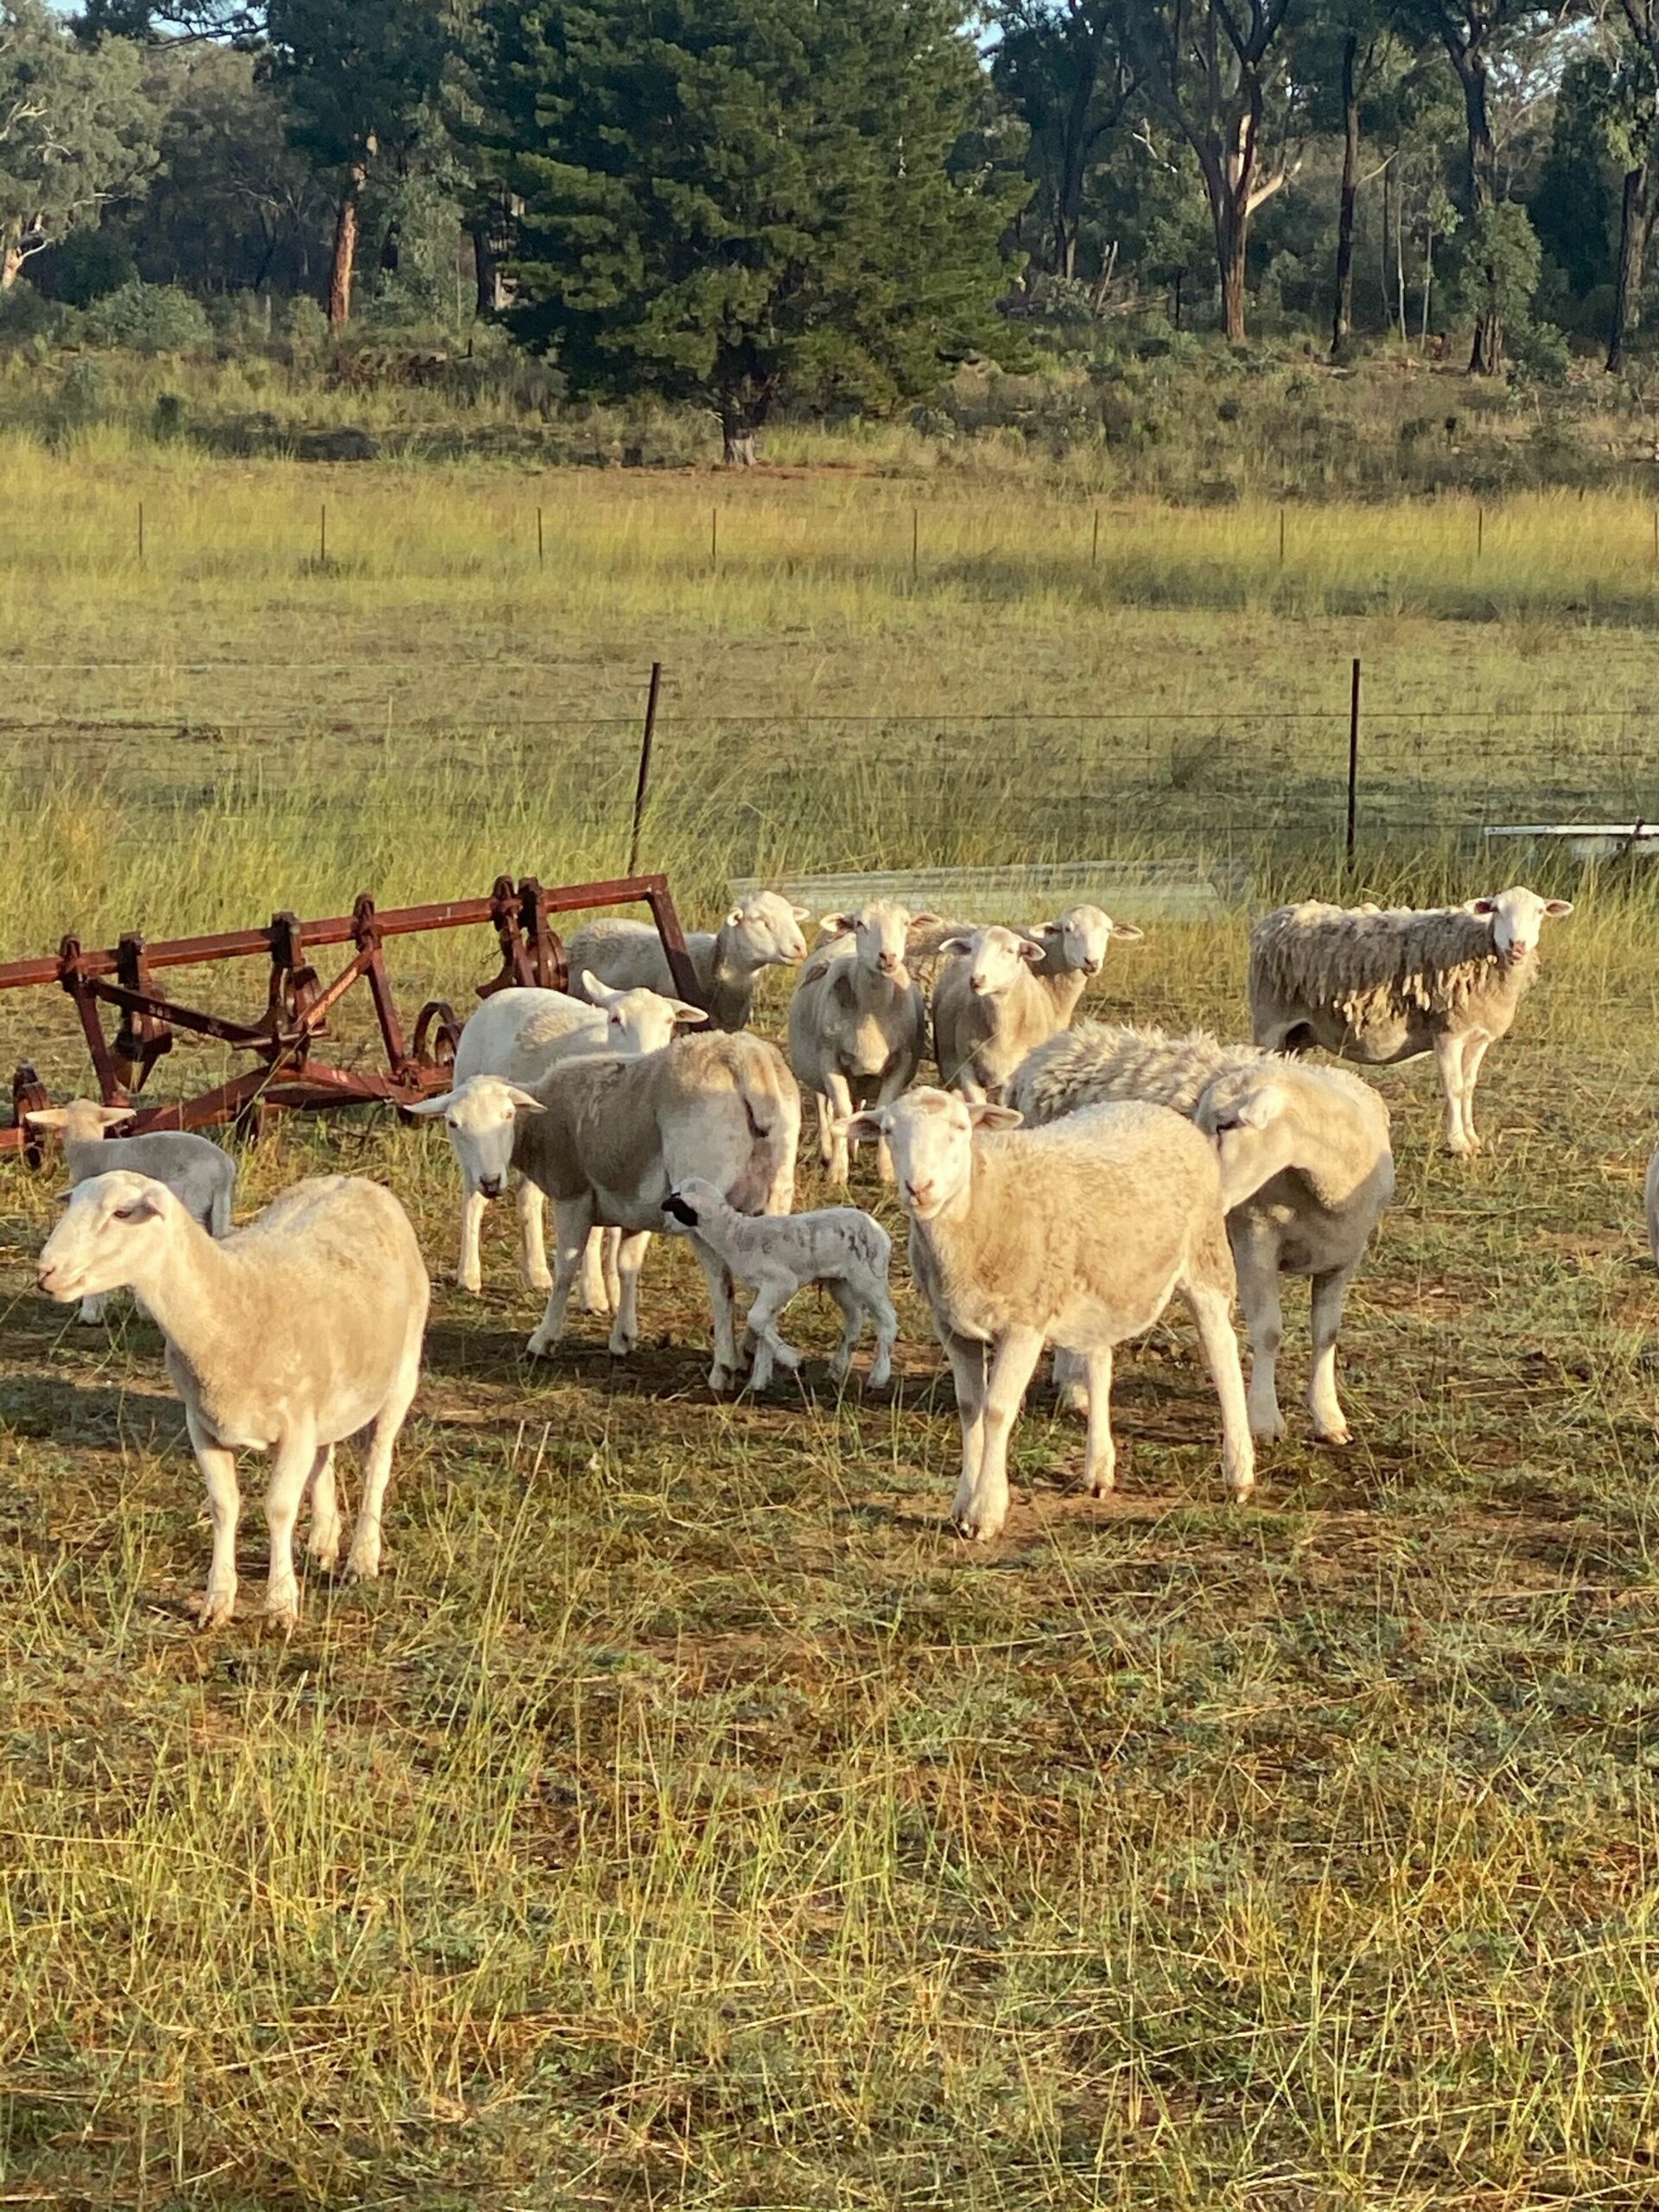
pixel 288 1337
pixel 999 993
pixel 517 1035
pixel 1077 1234
pixel 1380 985
pixel 847 1251
pixel 200 1174
pixel 761 932
pixel 1306 1171
pixel 857 1023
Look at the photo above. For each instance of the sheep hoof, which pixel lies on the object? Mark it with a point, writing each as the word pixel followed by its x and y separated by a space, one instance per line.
pixel 473 1283
pixel 1103 1486
pixel 324 1552
pixel 1270 1430
pixel 214 1607
pixel 1336 1432
pixel 363 1566
pixel 622 1343
pixel 540 1344
pixel 283 1613
pixel 1074 1399
pixel 973 1529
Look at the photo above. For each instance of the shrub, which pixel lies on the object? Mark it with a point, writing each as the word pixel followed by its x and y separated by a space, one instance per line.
pixel 23 316
pixel 147 319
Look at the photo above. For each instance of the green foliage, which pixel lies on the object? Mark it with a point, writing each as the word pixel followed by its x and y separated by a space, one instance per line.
pixel 745 201
pixel 356 78
pixel 86 265
pixel 147 319
pixel 1498 260
pixel 76 129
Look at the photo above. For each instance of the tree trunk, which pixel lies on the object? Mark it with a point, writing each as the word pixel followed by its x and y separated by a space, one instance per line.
pixel 1633 227
pixel 738 425
pixel 344 266
pixel 487 271
pixel 1343 321
pixel 1428 283
pixel 11 261
pixel 1232 224
pixel 1486 354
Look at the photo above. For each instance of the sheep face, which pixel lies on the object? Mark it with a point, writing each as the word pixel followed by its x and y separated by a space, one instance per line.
pixel 882 929
pixel 685 1205
pixel 481 1116
pixel 82 1121
pixel 1083 934
pixel 1246 1116
pixel 765 932
pixel 111 1226
pixel 639 1021
pixel 1518 917
pixel 996 956
pixel 930 1134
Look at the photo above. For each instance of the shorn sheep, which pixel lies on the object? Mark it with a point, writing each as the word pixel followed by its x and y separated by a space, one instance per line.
pixel 200 1174
pixel 761 932
pixel 290 1336
pixel 1077 1234
pixel 857 1022
pixel 1306 1171
pixel 608 1138
pixel 1379 985
pixel 1000 992
pixel 846 1250
pixel 517 1035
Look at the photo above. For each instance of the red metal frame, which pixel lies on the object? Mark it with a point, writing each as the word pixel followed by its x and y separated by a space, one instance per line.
pixel 298 1003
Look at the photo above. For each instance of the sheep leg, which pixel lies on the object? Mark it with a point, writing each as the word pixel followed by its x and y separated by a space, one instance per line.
pixel 217 1468
pixel 1100 1451
pixel 852 1328
pixel 840 1102
pixel 1017 1353
pixel 1449 1059
pixel 1330 1424
pixel 629 1259
pixel 826 1121
pixel 1257 1261
pixel 469 1274
pixel 1211 1309
pixel 612 1249
pixel 573 1219
pixel 219 1213
pixel 1474 1052
pixel 532 1234
pixel 363 1562
pixel 324 1545
pixel 880 1306
pixel 727 1366
pixel 295 1461
pixel 771 1294
pixel 1071 1380
pixel 967 1357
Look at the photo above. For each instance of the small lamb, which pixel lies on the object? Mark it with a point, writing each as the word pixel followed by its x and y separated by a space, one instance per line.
pixel 1380 985
pixel 846 1250
pixel 290 1336
pixel 1076 1235
pixel 200 1173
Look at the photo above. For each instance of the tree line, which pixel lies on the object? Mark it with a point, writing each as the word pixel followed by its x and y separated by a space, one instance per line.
pixel 745 203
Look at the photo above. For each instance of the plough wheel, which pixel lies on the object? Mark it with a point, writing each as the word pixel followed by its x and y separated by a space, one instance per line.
pixel 437 1032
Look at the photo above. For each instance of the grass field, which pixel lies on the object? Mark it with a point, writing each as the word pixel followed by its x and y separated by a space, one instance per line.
pixel 689 1818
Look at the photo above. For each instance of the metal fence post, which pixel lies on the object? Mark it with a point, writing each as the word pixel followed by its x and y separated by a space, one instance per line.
pixel 1353 758
pixel 646 736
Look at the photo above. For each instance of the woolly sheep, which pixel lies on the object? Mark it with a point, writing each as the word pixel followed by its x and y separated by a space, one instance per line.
pixel 846 1250
pixel 1378 986
pixel 857 1022
pixel 517 1034
pixel 1000 992
pixel 200 1173
pixel 290 1336
pixel 1306 1171
pixel 761 932
pixel 607 1138
pixel 1073 946
pixel 1078 1235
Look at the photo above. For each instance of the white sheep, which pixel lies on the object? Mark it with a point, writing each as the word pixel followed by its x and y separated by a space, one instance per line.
pixel 999 993
pixel 1306 1171
pixel 1380 985
pixel 846 1250
pixel 519 1034
pixel 289 1337
pixel 761 932
pixel 1078 1235
pixel 857 1022
pixel 1074 948
pixel 608 1138
pixel 200 1173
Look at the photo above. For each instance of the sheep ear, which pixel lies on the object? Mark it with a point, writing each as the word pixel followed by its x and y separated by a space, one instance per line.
pixel 146 1206
pixel 1558 909
pixel 525 1101
pixel 734 920
pixel 864 1125
pixel 46 1117
pixel 801 913
pixel 675 1204
pixel 426 1107
pixel 1045 929
pixel 838 924
pixel 994 1117
pixel 1261 1107
pixel 1032 953
pixel 923 921
pixel 957 944
pixel 596 992
pixel 686 1016
pixel 1127 933
pixel 1482 906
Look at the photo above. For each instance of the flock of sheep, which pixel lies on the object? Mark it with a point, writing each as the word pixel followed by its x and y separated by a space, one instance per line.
pixel 1062 1184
